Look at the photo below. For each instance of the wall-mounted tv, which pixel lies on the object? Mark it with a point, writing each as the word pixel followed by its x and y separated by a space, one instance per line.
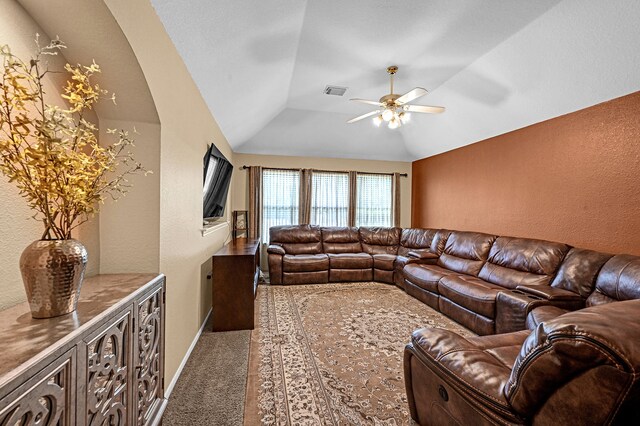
pixel 216 180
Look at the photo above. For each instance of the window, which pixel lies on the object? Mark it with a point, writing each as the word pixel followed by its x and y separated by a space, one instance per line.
pixel 374 205
pixel 329 199
pixel 280 199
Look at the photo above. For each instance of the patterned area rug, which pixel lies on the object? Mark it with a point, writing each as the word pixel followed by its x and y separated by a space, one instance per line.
pixel 331 354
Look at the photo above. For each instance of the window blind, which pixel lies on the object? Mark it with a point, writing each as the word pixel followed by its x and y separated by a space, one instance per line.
pixel 280 199
pixel 329 199
pixel 374 205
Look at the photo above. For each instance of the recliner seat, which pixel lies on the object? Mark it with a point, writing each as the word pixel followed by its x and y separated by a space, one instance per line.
pixel 300 256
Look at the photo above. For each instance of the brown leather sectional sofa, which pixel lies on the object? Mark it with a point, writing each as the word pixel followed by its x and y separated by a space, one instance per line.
pixel 540 357
pixel 303 254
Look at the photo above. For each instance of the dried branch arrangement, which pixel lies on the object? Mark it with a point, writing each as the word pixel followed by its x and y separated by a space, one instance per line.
pixel 50 152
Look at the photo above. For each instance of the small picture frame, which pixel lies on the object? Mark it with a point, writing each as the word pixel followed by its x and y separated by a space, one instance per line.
pixel 240 224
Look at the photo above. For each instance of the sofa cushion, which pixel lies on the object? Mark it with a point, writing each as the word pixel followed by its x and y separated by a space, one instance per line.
pixel 415 238
pixel 341 240
pixel 384 261
pixel 522 261
pixel 579 270
pixel 543 314
pixel 503 346
pixel 472 293
pixel 440 241
pixel 425 276
pixel 377 240
pixel 305 262
pixel 350 260
pixel 619 279
pixel 297 239
pixel 466 252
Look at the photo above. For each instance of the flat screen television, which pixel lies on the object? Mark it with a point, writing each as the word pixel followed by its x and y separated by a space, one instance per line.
pixel 215 187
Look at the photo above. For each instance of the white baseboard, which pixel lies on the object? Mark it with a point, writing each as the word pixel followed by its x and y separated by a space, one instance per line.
pixel 169 389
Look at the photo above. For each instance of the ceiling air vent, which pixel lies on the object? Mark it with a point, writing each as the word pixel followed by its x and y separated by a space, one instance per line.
pixel 334 90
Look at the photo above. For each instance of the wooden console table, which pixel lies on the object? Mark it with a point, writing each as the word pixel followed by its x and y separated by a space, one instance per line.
pixel 103 364
pixel 236 269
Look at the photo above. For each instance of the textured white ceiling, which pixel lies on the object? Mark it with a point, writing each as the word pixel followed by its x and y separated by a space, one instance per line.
pixel 496 65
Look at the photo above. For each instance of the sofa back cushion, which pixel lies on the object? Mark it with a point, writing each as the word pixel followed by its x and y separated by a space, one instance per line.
pixel 578 271
pixel 379 240
pixel 439 241
pixel 415 239
pixel 341 240
pixel 522 261
pixel 466 252
pixel 619 279
pixel 297 239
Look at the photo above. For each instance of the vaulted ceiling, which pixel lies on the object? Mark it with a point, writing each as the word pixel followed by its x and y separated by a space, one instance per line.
pixel 496 66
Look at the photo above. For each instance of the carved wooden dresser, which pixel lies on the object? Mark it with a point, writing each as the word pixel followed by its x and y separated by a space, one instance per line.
pixel 101 365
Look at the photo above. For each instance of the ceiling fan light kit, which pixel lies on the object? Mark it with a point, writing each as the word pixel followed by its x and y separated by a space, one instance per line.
pixel 395 108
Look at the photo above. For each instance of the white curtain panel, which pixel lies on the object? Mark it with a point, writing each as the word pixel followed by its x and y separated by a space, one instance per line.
pixel 280 199
pixel 329 199
pixel 374 201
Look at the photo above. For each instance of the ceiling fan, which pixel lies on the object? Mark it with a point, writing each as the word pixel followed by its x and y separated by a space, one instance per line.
pixel 394 108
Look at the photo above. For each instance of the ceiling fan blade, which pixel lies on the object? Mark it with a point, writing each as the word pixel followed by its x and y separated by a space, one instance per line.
pixel 424 108
pixel 364 101
pixel 369 114
pixel 411 95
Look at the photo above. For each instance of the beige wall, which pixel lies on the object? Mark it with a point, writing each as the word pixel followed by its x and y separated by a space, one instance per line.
pixel 17 229
pixel 130 227
pixel 186 127
pixel 157 226
pixel 240 186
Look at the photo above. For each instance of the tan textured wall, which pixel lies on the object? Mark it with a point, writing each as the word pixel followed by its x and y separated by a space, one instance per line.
pixel 186 127
pixel 240 186
pixel 17 229
pixel 575 179
pixel 130 227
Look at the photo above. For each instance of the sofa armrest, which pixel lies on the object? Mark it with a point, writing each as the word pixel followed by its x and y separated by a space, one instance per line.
pixel 276 249
pixel 549 293
pixel 513 306
pixel 422 254
pixel 441 365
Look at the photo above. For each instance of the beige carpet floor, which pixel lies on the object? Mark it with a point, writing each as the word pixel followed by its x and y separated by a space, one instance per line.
pixel 211 388
pixel 331 354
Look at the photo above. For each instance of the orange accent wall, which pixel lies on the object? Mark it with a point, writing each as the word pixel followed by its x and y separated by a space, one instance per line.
pixel 573 179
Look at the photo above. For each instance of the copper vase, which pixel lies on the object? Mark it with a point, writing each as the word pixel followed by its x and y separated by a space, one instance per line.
pixel 52 272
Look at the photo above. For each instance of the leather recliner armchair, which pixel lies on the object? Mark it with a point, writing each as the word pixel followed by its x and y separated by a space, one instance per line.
pixel 580 368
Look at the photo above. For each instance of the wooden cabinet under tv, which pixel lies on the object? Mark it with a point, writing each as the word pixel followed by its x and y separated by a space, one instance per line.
pixel 235 273
pixel 103 364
